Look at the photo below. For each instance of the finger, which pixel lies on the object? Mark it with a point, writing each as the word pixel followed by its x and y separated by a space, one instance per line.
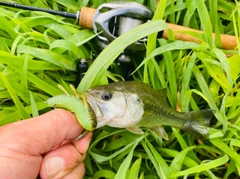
pixel 60 162
pixel 78 172
pixel 43 132
pixel 82 145
pixel 63 160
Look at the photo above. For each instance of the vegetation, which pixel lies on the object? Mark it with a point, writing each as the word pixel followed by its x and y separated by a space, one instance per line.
pixel 38 51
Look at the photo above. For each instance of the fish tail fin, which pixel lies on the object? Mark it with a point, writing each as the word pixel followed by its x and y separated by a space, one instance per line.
pixel 197 123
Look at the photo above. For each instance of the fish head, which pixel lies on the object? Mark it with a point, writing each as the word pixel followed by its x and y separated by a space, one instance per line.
pixel 115 106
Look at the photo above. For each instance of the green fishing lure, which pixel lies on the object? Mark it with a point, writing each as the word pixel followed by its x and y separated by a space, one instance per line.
pixel 78 105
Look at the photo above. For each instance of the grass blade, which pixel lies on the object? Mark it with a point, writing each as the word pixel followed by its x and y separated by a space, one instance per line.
pixel 19 106
pixel 203 167
pixel 204 87
pixel 205 21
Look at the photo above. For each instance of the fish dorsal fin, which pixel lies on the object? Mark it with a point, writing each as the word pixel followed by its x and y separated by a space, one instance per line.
pixel 163 94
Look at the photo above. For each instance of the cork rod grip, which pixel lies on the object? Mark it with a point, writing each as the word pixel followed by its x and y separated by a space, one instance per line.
pixel 229 42
pixel 86 17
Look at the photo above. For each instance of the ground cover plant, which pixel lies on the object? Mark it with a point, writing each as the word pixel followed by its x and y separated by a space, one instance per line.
pixel 38 51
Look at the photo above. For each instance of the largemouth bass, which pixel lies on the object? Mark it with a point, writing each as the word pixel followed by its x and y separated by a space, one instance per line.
pixel 135 105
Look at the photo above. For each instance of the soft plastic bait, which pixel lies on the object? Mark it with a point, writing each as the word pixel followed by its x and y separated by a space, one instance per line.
pixel 79 106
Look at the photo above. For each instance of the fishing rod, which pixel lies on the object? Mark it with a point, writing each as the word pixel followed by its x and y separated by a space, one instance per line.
pixel 112 19
pixel 115 18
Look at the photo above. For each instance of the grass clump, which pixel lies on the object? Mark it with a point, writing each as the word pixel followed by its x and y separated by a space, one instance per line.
pixel 38 51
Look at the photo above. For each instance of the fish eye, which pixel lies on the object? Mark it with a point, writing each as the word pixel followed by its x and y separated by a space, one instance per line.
pixel 106 96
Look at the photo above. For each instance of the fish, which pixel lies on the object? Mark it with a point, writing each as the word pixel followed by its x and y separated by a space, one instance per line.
pixel 136 106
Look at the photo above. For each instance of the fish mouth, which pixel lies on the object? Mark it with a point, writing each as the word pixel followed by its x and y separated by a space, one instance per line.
pixel 91 101
pixel 100 121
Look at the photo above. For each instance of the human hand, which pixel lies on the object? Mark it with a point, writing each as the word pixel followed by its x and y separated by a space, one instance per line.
pixel 44 146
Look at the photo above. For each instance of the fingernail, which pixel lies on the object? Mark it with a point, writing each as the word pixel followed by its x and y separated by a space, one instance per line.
pixel 54 165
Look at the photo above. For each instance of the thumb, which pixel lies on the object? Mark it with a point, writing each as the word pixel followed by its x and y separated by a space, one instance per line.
pixel 42 133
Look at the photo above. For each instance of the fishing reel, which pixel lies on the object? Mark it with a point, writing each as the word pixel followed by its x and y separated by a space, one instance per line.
pixel 112 20
pixel 115 18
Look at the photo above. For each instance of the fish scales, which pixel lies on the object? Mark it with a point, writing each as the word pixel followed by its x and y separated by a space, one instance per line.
pixel 160 116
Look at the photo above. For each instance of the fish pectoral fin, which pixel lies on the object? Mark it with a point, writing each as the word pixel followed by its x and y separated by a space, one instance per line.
pixel 135 130
pixel 160 131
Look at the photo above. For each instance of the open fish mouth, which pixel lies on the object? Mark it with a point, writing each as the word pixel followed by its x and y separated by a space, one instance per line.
pixel 100 121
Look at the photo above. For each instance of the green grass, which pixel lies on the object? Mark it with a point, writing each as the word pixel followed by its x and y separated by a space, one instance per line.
pixel 38 51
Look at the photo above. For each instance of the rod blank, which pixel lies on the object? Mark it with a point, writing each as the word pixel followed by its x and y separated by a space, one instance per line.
pixel 60 13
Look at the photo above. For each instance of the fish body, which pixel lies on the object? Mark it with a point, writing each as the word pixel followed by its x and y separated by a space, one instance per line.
pixel 135 105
